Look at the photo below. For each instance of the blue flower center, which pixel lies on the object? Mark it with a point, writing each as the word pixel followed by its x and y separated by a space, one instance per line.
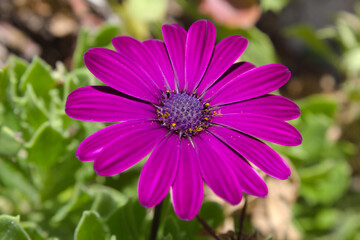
pixel 184 114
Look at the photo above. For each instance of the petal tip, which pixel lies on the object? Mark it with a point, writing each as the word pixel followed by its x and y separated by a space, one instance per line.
pixel 234 201
pixel 186 218
pixel 146 202
pixel 104 173
pixel 285 177
pixel 299 139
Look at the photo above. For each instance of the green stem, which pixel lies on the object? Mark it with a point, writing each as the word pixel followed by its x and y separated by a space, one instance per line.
pixel 207 227
pixel 242 218
pixel 156 221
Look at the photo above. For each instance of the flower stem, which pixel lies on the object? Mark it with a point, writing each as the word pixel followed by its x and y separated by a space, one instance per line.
pixel 207 227
pixel 156 221
pixel 242 218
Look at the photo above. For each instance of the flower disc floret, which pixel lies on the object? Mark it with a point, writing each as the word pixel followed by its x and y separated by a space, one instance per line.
pixel 184 113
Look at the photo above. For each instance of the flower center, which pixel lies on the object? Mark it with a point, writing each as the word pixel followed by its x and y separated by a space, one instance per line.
pixel 183 113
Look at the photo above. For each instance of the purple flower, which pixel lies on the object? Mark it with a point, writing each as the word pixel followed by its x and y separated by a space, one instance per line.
pixel 198 114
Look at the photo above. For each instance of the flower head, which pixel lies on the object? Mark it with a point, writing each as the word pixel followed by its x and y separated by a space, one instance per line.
pixel 198 114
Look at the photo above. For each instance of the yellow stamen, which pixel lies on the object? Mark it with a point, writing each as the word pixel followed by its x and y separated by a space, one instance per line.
pixel 207 105
pixel 173 125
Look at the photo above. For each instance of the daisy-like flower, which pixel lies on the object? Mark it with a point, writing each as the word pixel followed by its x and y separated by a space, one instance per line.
pixel 198 114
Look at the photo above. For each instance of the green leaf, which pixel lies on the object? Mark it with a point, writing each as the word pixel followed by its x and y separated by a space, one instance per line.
pixel 17 67
pixel 167 237
pixel 104 35
pixel 78 78
pixel 212 213
pixel 326 218
pixel 308 36
pixel 172 228
pixel 80 199
pixel 347 35
pixel 105 202
pixel 45 147
pixel 81 47
pixel 9 143
pixel 10 228
pixel 349 228
pixel 13 178
pixel 273 5
pixel 315 144
pixel 325 183
pixel 38 75
pixel 87 39
pixel 318 104
pixel 351 63
pixel 32 110
pixel 4 82
pixel 260 50
pixel 127 222
pixel 35 231
pixel 60 176
pixel 90 227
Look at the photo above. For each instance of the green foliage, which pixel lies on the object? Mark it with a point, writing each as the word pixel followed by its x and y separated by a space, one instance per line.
pixel 260 50
pixel 346 33
pixel 40 176
pixel 10 229
pixel 9 143
pixel 86 39
pixel 45 147
pixel 37 77
pixel 321 162
pixel 90 227
pixel 213 213
pixel 273 5
pixel 307 35
pixel 127 222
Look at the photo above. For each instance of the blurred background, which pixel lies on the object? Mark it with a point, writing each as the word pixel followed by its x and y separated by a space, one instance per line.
pixel 46 193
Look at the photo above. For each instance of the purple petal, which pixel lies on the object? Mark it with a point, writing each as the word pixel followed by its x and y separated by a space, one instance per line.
pixel 234 71
pixel 255 151
pixel 159 171
pixel 129 145
pixel 90 148
pixel 225 54
pixel 175 39
pixel 187 190
pixel 216 169
pixel 158 49
pixel 269 105
pixel 199 48
pixel 104 104
pixel 248 179
pixel 261 126
pixel 121 73
pixel 251 84
pixel 132 48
